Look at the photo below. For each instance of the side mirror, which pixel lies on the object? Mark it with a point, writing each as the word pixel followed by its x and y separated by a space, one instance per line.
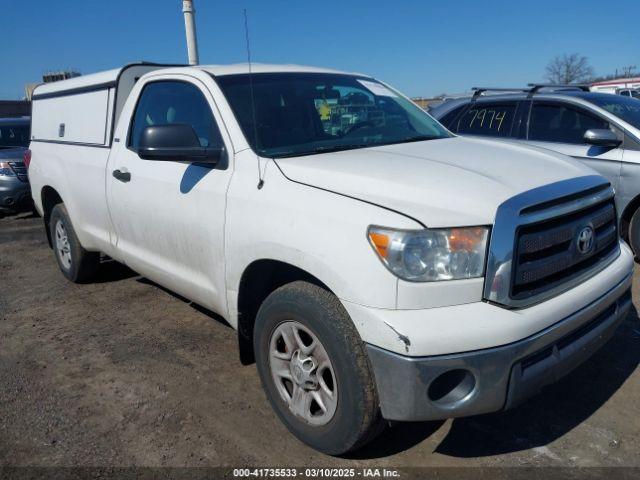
pixel 601 138
pixel 176 142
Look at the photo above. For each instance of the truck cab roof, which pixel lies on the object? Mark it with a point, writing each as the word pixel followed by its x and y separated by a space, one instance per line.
pixel 239 68
pixel 111 77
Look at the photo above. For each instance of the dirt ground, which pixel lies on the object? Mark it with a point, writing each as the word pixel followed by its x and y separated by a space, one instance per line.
pixel 123 373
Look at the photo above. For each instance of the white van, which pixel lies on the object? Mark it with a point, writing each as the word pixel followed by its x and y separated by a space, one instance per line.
pixel 376 266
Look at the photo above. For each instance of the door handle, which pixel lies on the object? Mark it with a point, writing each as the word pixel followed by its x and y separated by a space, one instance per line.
pixel 123 176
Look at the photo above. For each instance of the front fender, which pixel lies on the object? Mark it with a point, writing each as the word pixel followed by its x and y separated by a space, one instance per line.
pixel 322 233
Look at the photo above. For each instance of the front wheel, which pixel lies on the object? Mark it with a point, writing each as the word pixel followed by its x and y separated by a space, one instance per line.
pixel 315 370
pixel 76 263
pixel 634 234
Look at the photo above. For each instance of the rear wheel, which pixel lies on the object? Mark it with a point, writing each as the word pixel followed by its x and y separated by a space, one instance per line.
pixel 315 370
pixel 76 263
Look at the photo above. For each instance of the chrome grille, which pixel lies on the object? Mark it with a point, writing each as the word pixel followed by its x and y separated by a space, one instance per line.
pixel 534 249
pixel 20 170
pixel 547 253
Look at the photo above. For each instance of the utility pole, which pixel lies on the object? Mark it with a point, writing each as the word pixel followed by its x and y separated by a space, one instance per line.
pixel 190 29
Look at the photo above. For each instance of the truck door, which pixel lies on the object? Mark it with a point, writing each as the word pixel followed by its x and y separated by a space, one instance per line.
pixel 168 216
pixel 560 127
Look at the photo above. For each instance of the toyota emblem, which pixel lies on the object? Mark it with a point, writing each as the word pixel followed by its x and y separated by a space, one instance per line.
pixel 585 240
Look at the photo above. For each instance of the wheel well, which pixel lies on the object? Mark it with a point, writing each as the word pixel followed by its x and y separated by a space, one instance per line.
pixel 258 281
pixel 50 198
pixel 625 219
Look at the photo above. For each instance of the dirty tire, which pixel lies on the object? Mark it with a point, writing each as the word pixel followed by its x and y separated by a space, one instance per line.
pixel 634 234
pixel 357 418
pixel 83 264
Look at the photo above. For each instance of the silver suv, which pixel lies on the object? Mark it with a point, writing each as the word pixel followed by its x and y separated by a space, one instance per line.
pixel 15 193
pixel 599 129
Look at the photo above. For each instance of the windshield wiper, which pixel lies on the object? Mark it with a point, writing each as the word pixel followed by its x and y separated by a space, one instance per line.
pixel 319 150
pixel 353 146
pixel 338 148
pixel 422 138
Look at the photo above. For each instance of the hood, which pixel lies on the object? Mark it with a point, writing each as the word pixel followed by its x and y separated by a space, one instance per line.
pixel 441 183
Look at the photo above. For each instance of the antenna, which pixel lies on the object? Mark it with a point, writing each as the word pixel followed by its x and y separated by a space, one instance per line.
pixel 253 100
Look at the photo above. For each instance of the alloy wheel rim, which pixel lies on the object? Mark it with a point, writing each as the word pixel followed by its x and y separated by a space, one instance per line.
pixel 302 372
pixel 63 246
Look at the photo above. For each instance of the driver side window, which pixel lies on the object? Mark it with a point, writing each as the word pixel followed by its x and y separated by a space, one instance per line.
pixel 174 102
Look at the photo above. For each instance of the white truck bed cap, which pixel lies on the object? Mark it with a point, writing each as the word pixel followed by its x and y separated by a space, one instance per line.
pixel 106 77
pixel 83 110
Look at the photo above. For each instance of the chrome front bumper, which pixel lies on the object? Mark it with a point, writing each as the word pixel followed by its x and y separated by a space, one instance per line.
pixel 483 381
pixel 15 195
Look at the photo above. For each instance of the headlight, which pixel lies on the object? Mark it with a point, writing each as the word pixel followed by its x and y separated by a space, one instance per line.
pixel 432 254
pixel 6 170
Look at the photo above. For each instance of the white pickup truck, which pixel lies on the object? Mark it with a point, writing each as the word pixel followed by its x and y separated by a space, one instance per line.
pixel 375 266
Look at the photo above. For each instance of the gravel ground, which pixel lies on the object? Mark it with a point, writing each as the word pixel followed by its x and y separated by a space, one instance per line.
pixel 124 373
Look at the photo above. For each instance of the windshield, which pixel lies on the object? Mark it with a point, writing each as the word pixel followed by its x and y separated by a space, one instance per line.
pixel 628 109
pixel 14 136
pixel 306 113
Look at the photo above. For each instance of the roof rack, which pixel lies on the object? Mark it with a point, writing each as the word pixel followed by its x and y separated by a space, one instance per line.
pixel 535 87
pixel 477 91
pixel 531 89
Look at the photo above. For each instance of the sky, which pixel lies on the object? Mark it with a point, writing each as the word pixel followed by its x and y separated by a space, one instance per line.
pixel 423 48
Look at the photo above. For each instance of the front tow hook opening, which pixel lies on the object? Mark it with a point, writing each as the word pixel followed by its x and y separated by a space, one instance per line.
pixel 451 387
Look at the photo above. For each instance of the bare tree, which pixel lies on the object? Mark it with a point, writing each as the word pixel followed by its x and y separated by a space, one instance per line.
pixel 569 68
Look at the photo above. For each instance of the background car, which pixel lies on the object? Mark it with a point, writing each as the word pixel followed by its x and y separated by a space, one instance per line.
pixel 599 129
pixel 629 92
pixel 15 192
